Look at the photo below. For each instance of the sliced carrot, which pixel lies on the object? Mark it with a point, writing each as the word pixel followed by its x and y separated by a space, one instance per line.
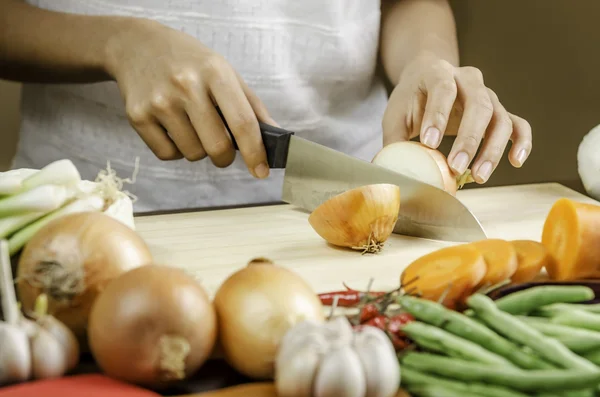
pixel 532 257
pixel 501 259
pixel 453 272
pixel 572 235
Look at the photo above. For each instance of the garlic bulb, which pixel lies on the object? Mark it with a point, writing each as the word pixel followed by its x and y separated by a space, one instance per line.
pixel 588 162
pixel 333 359
pixel 362 218
pixel 31 349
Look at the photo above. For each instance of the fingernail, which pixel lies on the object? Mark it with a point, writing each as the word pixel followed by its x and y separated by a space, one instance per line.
pixel 261 170
pixel 460 163
pixel 485 171
pixel 431 137
pixel 521 157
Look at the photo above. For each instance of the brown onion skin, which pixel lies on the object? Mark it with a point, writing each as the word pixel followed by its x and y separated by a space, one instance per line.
pixel 136 309
pixel 107 248
pixel 255 308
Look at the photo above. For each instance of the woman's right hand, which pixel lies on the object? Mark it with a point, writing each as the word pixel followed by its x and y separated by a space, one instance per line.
pixel 171 84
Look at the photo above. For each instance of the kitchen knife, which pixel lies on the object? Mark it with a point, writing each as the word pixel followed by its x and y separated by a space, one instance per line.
pixel 314 173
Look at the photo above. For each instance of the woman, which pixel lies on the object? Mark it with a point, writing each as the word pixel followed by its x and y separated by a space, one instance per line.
pixel 158 69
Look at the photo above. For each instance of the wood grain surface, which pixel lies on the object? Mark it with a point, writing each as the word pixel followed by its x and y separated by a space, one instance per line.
pixel 211 245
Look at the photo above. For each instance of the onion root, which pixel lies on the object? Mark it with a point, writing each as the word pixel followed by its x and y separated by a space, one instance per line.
pixel 173 353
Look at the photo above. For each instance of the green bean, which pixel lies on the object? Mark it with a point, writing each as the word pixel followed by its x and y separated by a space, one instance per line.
pixel 412 377
pixel 577 340
pixel 527 300
pixel 588 307
pixel 572 317
pixel 593 356
pixel 537 380
pixel 439 391
pixel 470 329
pixel 520 332
pixel 452 345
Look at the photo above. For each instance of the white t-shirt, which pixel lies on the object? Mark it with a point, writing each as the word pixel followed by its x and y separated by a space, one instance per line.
pixel 312 62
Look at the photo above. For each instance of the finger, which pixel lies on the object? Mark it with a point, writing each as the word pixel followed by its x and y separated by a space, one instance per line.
pixel 403 111
pixel 495 141
pixel 241 120
pixel 478 110
pixel 260 110
pixel 178 126
pixel 153 135
pixel 522 141
pixel 441 94
pixel 210 128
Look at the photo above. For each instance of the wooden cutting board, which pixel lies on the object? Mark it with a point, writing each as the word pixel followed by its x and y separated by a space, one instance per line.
pixel 211 245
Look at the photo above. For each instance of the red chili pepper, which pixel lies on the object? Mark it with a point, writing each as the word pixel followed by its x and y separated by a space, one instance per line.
pixel 398 342
pixel 368 311
pixel 397 321
pixel 347 298
pixel 379 321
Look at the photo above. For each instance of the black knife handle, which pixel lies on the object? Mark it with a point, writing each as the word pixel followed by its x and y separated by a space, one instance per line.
pixel 276 141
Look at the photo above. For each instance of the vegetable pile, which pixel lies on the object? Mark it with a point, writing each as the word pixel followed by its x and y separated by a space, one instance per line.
pixel 34 347
pixel 525 343
pixel 333 359
pixel 30 198
pixel 451 274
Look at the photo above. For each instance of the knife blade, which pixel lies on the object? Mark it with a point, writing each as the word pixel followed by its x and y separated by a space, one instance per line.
pixel 314 173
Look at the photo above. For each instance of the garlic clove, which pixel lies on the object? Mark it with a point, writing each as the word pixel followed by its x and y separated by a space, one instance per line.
pixel 48 356
pixel 362 218
pixel 15 354
pixel 379 361
pixel 65 337
pixel 294 376
pixel 299 330
pixel 339 331
pixel 340 374
pixel 313 339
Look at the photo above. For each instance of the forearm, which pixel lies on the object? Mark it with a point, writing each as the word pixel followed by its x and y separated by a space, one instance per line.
pixel 38 45
pixel 414 28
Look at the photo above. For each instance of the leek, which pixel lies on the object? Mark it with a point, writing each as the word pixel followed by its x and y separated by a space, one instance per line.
pixel 43 198
pixel 85 204
pixel 13 223
pixel 61 172
pixel 11 181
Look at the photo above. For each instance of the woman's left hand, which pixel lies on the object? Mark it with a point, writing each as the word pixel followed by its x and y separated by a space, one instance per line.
pixel 435 98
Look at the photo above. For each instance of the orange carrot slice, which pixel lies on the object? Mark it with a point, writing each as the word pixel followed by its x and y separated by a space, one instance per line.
pixel 572 235
pixel 451 271
pixel 501 260
pixel 532 256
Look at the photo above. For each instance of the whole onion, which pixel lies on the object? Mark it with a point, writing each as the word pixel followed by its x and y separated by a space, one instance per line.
pixel 152 325
pixel 72 259
pixel 256 306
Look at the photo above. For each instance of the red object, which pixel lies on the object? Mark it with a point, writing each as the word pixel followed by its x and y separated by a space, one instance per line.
pixel 379 321
pixel 93 385
pixel 347 298
pixel 368 312
pixel 397 321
